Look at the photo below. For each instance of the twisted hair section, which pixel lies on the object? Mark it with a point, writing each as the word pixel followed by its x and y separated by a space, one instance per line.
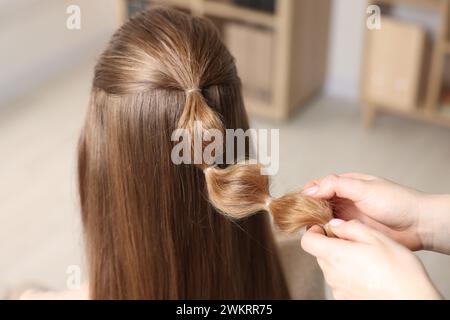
pixel 240 190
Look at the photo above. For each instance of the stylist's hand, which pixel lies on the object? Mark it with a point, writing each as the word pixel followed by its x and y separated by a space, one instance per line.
pixel 365 264
pixel 381 204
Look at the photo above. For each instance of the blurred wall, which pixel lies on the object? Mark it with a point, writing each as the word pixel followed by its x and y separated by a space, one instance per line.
pixel 346 41
pixel 36 44
pixel 344 57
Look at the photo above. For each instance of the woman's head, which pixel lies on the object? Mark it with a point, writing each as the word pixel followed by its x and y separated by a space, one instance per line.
pixel 150 230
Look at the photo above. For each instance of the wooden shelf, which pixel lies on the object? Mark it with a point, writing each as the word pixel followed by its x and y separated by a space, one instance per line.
pixel 261 108
pixel 433 76
pixel 224 10
pixel 300 32
pixel 182 4
pixel 420 113
pixel 227 10
pixel 426 4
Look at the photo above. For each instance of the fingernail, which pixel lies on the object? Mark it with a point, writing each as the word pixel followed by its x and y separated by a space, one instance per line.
pixel 335 222
pixel 310 191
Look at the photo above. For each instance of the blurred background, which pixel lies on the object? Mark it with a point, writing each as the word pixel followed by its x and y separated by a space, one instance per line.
pixel 351 86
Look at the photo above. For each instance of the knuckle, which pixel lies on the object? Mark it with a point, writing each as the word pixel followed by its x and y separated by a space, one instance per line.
pixel 330 180
pixel 335 257
pixel 351 224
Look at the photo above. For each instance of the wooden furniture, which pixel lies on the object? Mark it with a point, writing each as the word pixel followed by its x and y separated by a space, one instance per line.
pixel 427 106
pixel 394 63
pixel 252 48
pixel 300 37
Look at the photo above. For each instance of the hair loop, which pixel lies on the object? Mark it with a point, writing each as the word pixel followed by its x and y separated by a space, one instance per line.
pixel 268 201
pixel 192 90
pixel 207 169
pixel 241 190
pixel 267 207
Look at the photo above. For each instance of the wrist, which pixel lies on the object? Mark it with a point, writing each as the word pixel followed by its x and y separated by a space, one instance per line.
pixel 433 224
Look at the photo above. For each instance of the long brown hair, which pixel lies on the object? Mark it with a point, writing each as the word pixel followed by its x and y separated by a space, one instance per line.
pixel 150 230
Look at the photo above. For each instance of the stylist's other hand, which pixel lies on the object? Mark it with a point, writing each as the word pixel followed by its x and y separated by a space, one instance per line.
pixel 362 263
pixel 378 203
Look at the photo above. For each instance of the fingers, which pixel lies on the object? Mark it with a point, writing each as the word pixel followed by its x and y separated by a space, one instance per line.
pixel 316 229
pixel 311 187
pixel 352 230
pixel 316 243
pixel 339 186
pixel 348 233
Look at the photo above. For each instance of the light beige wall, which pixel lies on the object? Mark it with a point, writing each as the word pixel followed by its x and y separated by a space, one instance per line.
pixel 36 43
pixel 344 56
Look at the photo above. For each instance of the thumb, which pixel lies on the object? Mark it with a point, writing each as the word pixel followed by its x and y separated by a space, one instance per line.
pixel 342 187
pixel 352 230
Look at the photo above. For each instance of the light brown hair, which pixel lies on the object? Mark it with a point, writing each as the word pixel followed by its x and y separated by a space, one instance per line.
pixel 150 230
pixel 241 191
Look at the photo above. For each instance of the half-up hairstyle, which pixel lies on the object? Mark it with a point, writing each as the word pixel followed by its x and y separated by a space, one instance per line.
pixel 150 229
